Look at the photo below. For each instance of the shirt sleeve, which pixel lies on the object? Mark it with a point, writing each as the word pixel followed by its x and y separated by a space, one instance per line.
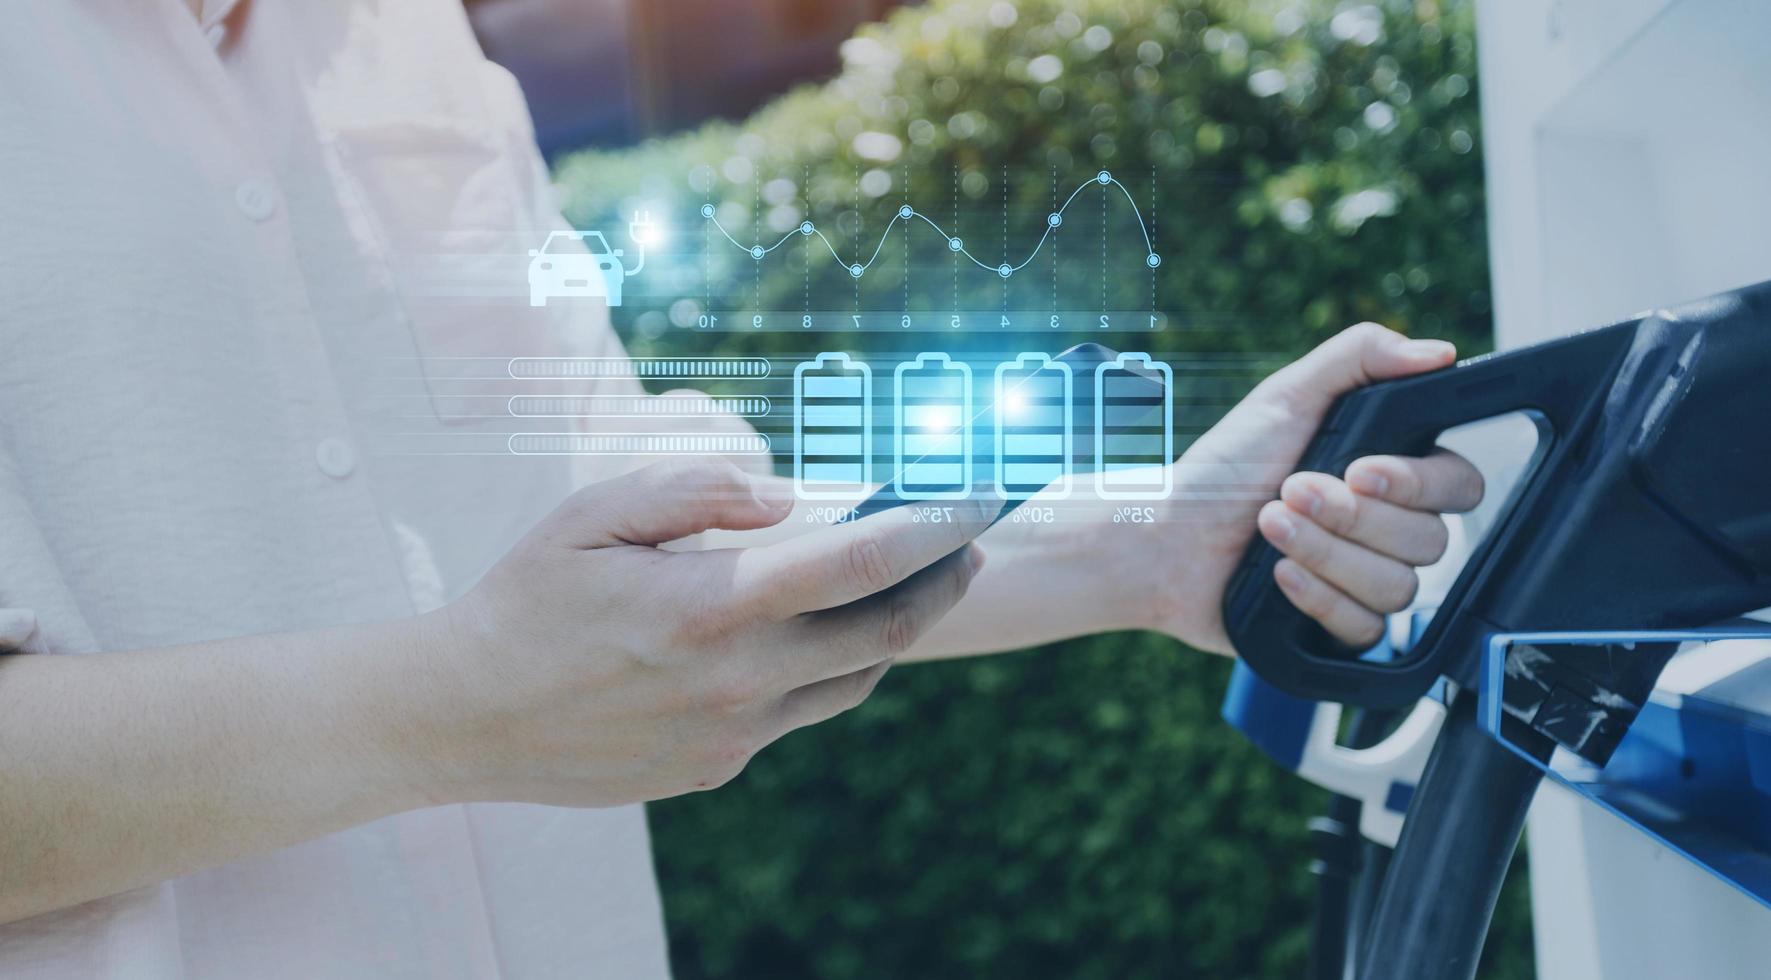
pixel 38 613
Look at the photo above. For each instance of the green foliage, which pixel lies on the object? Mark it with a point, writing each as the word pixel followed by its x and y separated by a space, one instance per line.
pixel 1070 812
pixel 1282 217
pixel 1077 811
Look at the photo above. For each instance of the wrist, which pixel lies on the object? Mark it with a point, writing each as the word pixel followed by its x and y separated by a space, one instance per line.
pixel 1180 596
pixel 433 748
pixel 1159 579
pixel 1131 563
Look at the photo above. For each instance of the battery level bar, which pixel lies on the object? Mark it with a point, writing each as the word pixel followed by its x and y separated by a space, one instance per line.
pixel 634 406
pixel 832 427
pixel 1032 409
pixel 932 457
pixel 594 368
pixel 636 444
pixel 1134 428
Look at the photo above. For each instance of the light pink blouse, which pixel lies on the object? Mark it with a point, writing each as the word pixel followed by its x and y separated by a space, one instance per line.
pixel 239 246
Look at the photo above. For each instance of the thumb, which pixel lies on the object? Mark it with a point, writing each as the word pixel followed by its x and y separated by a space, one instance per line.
pixel 1353 358
pixel 666 501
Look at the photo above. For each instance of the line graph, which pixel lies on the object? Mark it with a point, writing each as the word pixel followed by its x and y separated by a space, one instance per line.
pixel 907 214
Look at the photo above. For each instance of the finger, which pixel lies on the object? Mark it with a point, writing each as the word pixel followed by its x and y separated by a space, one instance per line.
pixel 825 699
pixel 854 560
pixel 1353 358
pixel 880 627
pixel 1411 536
pixel 1443 482
pixel 721 421
pixel 666 501
pixel 1344 619
pixel 1378 582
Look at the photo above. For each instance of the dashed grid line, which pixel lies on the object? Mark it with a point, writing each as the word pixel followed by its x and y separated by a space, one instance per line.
pixel 805 250
pixel 1004 265
pixel 756 217
pixel 1054 243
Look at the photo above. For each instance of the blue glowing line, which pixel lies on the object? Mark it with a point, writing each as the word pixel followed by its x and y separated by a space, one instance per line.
pixel 906 213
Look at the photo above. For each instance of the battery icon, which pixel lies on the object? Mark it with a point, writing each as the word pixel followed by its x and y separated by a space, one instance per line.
pixel 1034 395
pixel 932 445
pixel 1134 428
pixel 832 427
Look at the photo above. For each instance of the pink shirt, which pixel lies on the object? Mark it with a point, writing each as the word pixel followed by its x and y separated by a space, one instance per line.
pixel 239 246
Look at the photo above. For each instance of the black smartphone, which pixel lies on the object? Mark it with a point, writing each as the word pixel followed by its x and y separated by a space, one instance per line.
pixel 1131 423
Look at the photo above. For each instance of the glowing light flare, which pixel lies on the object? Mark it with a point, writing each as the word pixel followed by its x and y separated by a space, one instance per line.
pixel 939 418
pixel 644 231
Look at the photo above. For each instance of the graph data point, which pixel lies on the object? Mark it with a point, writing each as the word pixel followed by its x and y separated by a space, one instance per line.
pixel 855 270
pixel 706 210
pixel 1054 219
pixel 1104 177
pixel 955 244
pixel 904 211
pixel 756 251
pixel 1004 270
pixel 805 227
pixel 1152 260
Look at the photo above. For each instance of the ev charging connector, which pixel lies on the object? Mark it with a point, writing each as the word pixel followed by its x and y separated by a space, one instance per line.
pixel 1647 506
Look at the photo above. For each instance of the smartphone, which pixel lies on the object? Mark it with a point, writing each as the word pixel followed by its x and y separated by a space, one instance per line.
pixel 1120 432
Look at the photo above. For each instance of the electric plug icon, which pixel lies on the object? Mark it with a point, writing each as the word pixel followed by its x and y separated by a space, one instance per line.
pixel 642 232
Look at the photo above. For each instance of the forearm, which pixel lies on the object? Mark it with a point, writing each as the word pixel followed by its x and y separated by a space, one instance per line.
pixel 121 769
pixel 1043 582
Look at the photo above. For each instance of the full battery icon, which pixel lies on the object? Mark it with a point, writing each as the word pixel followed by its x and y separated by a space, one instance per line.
pixel 1134 428
pixel 932 445
pixel 832 427
pixel 1033 402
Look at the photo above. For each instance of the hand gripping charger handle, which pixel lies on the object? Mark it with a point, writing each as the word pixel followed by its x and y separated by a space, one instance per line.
pixel 1643 508
pixel 1405 417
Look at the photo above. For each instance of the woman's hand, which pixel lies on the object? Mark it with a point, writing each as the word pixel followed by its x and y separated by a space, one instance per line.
pixel 591 668
pixel 1351 546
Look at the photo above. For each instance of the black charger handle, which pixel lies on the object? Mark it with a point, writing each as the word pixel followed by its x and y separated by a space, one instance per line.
pixel 1560 383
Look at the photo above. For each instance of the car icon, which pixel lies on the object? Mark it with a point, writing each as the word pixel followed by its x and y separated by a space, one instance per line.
pixel 575 263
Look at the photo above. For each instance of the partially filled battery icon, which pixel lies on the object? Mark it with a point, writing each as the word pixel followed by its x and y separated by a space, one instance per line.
pixel 1134 428
pixel 1032 409
pixel 932 457
pixel 832 427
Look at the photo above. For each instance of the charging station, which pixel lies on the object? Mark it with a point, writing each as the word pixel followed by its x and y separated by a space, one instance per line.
pixel 1581 651
pixel 1627 148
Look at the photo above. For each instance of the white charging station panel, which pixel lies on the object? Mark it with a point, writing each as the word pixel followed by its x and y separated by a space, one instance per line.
pixel 1628 150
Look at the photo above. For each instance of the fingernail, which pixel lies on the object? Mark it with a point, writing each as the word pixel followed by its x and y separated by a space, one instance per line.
pixel 1369 483
pixel 975 555
pixel 1282 526
pixel 773 496
pixel 1436 350
pixel 1287 576
pixel 1312 501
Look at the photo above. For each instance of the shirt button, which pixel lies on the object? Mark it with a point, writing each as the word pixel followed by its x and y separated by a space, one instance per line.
pixel 335 457
pixel 256 199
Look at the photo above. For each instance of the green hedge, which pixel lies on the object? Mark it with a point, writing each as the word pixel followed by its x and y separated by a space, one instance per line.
pixel 1077 811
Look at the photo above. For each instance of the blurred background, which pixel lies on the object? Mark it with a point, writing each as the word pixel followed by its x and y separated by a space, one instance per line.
pixel 612 72
pixel 1078 810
